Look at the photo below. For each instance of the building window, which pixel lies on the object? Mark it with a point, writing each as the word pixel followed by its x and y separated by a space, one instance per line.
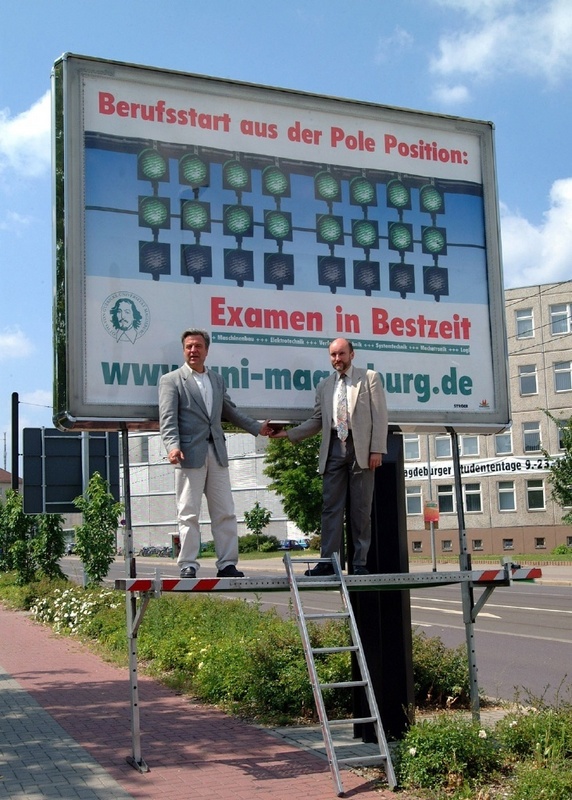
pixel 447 546
pixel 535 495
pixel 503 443
pixel 531 437
pixel 446 498
pixel 413 499
pixel 508 544
pixel 507 498
pixel 560 317
pixel 478 544
pixel 469 445
pixel 563 376
pixel 417 547
pixel 472 494
pixel 539 543
pixel 561 426
pixel 527 379
pixel 443 447
pixel 411 446
pixel 569 541
pixel 524 323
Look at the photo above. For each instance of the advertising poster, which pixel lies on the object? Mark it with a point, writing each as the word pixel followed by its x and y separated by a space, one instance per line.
pixel 277 221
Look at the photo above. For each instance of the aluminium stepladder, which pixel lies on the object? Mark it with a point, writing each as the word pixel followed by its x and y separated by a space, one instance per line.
pixel 354 647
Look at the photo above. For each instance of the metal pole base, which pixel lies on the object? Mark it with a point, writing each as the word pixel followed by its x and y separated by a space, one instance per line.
pixel 140 766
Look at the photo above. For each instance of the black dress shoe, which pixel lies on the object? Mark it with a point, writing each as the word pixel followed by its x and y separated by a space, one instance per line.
pixel 230 571
pixel 188 572
pixel 320 570
pixel 361 571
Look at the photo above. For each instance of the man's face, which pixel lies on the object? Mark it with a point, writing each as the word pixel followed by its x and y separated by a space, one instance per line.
pixel 124 316
pixel 195 352
pixel 340 355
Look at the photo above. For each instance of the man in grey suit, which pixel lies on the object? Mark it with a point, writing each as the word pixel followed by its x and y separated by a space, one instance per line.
pixel 193 402
pixel 351 412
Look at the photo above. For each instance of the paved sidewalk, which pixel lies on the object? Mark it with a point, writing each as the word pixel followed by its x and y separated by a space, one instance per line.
pixel 65 732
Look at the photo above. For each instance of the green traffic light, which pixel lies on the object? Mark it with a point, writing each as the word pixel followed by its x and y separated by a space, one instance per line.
pixel 433 240
pixel 154 212
pixel 275 182
pixel 195 215
pixel 431 199
pixel 152 165
pixel 398 195
pixel 193 170
pixel 327 187
pixel 236 176
pixel 277 224
pixel 364 233
pixel 400 236
pixel 237 220
pixel 329 229
pixel 362 191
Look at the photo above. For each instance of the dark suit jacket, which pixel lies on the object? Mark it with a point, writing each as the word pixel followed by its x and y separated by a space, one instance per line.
pixel 368 415
pixel 185 423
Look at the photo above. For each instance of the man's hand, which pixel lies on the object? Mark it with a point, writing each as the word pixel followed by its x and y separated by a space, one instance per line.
pixel 176 456
pixel 375 460
pixel 266 428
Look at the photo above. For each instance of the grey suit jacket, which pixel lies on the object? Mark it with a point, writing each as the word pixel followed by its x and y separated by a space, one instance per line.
pixel 368 415
pixel 185 423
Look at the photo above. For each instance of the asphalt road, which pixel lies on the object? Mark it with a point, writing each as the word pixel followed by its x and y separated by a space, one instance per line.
pixel 523 633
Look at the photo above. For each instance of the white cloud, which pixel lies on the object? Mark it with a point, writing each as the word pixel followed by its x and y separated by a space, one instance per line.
pixel 539 254
pixel 533 39
pixel 25 139
pixel 14 344
pixel 451 95
pixel 387 46
pixel 14 222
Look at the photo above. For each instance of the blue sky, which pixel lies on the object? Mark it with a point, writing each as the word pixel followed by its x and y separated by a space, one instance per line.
pixel 507 61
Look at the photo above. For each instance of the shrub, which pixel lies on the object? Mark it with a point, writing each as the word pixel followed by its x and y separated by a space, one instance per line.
pixel 447 752
pixel 562 550
pixel 440 674
pixel 548 782
pixel 253 542
pixel 544 734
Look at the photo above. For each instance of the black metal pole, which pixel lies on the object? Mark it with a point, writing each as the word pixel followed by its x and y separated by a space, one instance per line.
pixel 15 455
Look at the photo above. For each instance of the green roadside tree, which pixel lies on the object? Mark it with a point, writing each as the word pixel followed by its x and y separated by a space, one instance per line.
pixel 16 532
pixel 95 537
pixel 48 546
pixel 256 520
pixel 293 470
pixel 560 476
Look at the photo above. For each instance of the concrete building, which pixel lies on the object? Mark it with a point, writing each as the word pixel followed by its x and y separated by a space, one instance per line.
pixel 507 498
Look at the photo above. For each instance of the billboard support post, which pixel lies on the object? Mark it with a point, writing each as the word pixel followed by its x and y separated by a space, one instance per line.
pixel 134 615
pixel 467 589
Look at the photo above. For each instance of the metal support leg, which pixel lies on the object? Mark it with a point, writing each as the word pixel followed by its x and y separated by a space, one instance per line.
pixel 133 618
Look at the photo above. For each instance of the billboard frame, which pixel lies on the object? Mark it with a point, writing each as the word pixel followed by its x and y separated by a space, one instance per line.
pixel 73 410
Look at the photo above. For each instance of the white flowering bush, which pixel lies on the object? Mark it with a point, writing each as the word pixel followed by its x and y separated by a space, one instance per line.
pixel 447 752
pixel 72 610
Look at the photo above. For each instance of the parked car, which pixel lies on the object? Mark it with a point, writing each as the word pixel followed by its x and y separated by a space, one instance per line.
pixel 289 544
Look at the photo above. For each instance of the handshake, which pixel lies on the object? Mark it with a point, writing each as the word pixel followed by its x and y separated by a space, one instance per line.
pixel 272 429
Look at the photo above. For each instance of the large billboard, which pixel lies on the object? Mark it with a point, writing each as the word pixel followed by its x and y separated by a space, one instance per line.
pixel 278 221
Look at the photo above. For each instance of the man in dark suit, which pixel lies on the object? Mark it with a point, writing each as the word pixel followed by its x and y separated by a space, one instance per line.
pixel 351 413
pixel 193 402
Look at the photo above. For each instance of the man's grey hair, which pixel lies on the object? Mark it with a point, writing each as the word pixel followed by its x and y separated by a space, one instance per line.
pixel 196 332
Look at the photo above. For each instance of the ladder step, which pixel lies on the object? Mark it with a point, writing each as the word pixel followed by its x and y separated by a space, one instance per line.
pixel 342 685
pixel 328 615
pixel 363 760
pixel 341 649
pixel 351 721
